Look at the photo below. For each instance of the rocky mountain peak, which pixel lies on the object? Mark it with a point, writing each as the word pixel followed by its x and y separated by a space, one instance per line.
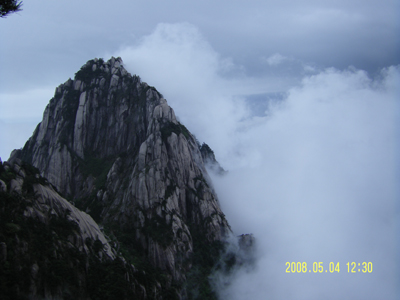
pixel 112 145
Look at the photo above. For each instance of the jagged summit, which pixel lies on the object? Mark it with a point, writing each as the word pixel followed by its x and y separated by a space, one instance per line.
pixel 111 145
pixel 103 112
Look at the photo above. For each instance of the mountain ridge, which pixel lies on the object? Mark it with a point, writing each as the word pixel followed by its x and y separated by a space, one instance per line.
pixel 113 147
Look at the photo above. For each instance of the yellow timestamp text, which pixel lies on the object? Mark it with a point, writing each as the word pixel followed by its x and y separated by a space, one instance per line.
pixel 331 267
pixel 364 267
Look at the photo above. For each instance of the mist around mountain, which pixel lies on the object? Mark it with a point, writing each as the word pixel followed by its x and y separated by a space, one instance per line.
pixel 314 178
pixel 111 199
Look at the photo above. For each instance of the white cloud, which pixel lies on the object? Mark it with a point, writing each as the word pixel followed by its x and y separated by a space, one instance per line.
pixel 325 188
pixel 315 179
pixel 182 65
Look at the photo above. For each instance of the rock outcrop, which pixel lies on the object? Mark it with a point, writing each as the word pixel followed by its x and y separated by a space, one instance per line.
pixel 209 160
pixel 48 248
pixel 112 146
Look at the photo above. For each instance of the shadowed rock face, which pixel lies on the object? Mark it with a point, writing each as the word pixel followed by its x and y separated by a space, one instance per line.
pixel 46 203
pixel 49 249
pixel 112 145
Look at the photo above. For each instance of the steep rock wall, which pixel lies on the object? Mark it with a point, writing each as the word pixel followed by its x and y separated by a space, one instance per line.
pixel 112 145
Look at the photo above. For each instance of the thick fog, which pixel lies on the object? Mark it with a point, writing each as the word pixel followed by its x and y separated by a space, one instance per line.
pixel 314 175
pixel 322 185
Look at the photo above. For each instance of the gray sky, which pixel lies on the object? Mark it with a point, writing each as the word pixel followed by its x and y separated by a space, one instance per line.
pixel 46 43
pixel 298 99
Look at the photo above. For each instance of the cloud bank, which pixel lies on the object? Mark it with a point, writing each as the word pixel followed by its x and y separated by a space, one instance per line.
pixel 324 189
pixel 314 177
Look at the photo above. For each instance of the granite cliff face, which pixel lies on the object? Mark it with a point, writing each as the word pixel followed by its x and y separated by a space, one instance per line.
pixel 113 147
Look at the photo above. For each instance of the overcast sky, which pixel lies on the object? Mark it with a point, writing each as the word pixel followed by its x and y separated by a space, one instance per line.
pixel 298 99
pixel 274 42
